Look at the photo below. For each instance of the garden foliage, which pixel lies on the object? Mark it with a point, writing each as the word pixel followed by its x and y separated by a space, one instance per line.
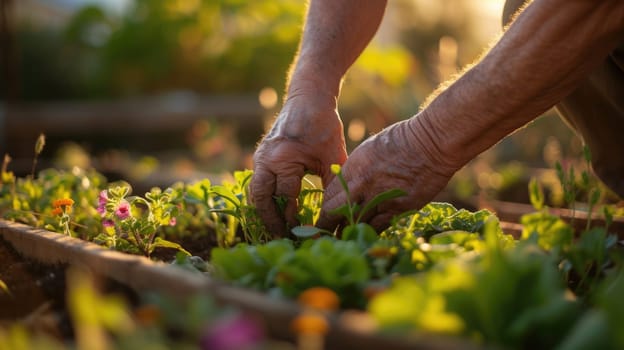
pixel 438 269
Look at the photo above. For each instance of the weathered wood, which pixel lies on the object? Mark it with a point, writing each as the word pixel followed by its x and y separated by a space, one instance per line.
pixel 134 271
pixel 142 274
pixel 144 114
pixel 146 124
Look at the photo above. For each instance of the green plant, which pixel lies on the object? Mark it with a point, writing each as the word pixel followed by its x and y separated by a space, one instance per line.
pixel 229 208
pixel 573 187
pixel 251 266
pixel 132 223
pixel 352 212
pixel 32 200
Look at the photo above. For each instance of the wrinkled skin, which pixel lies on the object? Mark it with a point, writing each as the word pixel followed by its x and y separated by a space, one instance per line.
pixel 543 56
pixel 307 137
pixel 399 157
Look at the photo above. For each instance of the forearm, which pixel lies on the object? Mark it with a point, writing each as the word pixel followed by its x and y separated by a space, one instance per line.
pixel 550 47
pixel 335 33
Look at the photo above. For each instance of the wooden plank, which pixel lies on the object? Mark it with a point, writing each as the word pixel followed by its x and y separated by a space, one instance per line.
pixel 346 330
pixel 148 114
pixel 134 271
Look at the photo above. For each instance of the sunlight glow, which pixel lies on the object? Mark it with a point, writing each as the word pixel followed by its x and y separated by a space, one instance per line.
pixel 268 97
pixel 356 130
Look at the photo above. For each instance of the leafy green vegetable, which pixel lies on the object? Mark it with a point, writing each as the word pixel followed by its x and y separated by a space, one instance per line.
pixel 248 265
pixel 325 262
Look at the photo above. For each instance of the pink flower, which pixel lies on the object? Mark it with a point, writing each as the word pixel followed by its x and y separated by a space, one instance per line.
pixel 108 223
pixel 236 332
pixel 103 197
pixel 102 200
pixel 173 222
pixel 123 210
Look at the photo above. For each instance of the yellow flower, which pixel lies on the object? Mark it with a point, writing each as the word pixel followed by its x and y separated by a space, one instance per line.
pixel 319 298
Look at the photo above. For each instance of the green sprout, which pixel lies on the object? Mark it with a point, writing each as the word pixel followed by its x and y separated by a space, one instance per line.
pixel 230 209
pixel 353 212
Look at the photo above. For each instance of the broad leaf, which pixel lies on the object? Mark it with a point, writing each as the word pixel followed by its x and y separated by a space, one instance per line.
pixel 163 243
pixel 382 197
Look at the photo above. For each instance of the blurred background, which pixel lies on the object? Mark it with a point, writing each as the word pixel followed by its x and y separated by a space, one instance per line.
pixel 154 91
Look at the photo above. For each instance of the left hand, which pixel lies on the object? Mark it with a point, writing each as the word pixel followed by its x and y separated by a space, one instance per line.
pixel 401 156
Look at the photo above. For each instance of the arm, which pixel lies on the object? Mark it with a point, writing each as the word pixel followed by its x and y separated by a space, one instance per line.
pixel 307 135
pixel 549 48
pixel 335 33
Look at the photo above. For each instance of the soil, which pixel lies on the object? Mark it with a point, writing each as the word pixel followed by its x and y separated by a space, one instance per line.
pixel 37 291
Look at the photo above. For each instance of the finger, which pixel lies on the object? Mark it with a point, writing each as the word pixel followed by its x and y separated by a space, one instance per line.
pixel 288 188
pixel 261 189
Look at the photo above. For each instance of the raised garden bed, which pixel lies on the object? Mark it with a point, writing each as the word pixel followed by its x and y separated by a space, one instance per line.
pixel 48 254
pixel 439 277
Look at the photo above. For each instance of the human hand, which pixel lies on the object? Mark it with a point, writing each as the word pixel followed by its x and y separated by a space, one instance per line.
pixel 307 137
pixel 402 156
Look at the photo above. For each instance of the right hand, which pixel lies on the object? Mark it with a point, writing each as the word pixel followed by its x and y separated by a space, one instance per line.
pixel 307 137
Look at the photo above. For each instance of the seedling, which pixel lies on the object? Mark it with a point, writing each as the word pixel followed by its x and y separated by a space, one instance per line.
pixel 353 212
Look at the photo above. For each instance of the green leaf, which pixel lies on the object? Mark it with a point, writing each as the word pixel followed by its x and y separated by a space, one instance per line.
pixel 536 194
pixel 225 211
pixel 380 198
pixel 307 231
pixel 281 202
pixel 364 234
pixel 163 243
pixel 198 191
pixel 595 196
pixel 590 332
pixel 453 237
pixel 250 265
pixel 243 177
pixel 341 210
pixel 226 194
pixel 553 232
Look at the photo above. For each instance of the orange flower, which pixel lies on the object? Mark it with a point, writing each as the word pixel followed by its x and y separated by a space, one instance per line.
pixel 320 298
pixel 62 202
pixel 57 211
pixel 310 323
